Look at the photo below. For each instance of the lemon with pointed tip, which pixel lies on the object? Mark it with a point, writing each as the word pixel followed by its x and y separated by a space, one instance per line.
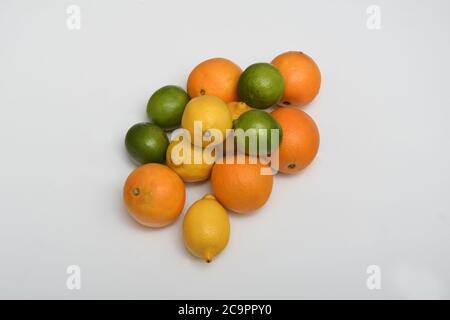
pixel 237 108
pixel 189 161
pixel 206 228
pixel 209 118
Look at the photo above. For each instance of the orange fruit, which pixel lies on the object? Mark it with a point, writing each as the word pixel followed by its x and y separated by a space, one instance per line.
pixel 300 139
pixel 215 77
pixel 154 195
pixel 241 187
pixel 301 75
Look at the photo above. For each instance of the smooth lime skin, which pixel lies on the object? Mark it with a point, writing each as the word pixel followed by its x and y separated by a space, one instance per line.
pixel 258 119
pixel 261 86
pixel 146 142
pixel 165 107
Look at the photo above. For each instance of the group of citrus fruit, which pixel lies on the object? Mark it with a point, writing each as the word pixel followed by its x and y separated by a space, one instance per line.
pixel 221 98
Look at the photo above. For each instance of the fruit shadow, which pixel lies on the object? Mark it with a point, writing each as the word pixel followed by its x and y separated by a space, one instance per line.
pixel 126 219
pixel 130 159
pixel 200 264
pixel 238 215
pixel 286 176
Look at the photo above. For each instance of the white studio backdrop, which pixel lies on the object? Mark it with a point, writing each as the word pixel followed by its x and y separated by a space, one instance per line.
pixel 374 201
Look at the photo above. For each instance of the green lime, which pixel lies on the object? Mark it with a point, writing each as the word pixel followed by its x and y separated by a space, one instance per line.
pixel 261 85
pixel 165 107
pixel 257 134
pixel 146 142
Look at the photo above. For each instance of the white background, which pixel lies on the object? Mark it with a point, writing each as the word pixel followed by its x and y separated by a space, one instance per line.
pixel 378 192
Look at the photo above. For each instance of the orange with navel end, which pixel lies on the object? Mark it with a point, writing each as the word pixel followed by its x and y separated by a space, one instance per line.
pixel 301 75
pixel 241 187
pixel 215 77
pixel 300 139
pixel 154 195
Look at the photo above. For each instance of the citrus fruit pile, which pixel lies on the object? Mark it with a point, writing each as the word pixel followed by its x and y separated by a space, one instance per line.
pixel 220 130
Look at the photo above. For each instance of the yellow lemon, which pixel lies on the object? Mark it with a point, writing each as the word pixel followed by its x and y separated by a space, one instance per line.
pixel 209 118
pixel 237 108
pixel 189 161
pixel 206 228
